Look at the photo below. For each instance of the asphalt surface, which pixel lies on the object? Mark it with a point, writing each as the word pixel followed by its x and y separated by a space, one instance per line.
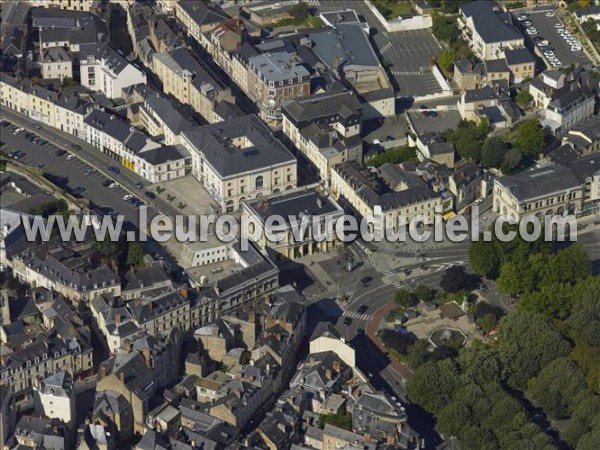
pixel 546 29
pixel 87 156
pixel 408 52
pixel 101 196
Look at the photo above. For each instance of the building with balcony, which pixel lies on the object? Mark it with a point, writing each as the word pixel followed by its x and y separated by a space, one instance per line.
pixel 488 30
pixel 273 78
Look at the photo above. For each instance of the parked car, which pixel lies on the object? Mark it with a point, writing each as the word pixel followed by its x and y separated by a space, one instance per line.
pixel 106 183
pixel 18 131
pixel 89 171
pixel 70 157
pixel 78 190
pixel 40 141
pixel 114 170
pixel 112 185
pixel 127 197
pixel 36 125
pixel 40 165
pixel 150 195
pixel 60 152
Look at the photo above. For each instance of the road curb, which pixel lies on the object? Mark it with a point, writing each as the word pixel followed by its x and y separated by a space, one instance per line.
pixel 104 172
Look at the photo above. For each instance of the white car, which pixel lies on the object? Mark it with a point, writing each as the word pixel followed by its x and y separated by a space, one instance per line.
pixel 531 31
pixel 544 43
pixel 70 157
pixel 127 197
pixel 112 185
pixel 559 25
pixel 18 131
pixel 528 23
pixel 549 14
pixel 575 49
pixel 522 18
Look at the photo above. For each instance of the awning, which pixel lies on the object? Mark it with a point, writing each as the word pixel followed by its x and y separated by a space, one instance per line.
pixel 448 215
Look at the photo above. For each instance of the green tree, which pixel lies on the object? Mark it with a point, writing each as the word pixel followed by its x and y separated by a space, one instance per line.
pixel 524 340
pixel 107 248
pixel 393 156
pixel 556 387
pixel 508 281
pixel 455 279
pixel 589 441
pixel 512 159
pixel 300 11
pixel 585 320
pixel 552 300
pixel 485 258
pixel 418 354
pixel 432 385
pixel 404 298
pixel 444 28
pixel 530 137
pixel 135 254
pixel 493 151
pixel 424 293
pixel 523 99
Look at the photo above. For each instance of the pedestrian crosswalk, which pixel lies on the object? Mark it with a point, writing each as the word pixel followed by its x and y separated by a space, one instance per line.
pixel 385 48
pixel 355 315
pixel 313 2
pixel 413 73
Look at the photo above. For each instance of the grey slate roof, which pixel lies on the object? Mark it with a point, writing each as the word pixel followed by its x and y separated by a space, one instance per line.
pixel 165 154
pixel 474 95
pixel 464 65
pixel 489 25
pixel 114 60
pixel 214 143
pixel 295 204
pixel 348 42
pixel 518 56
pixel 202 13
pixel 339 105
pixel 278 66
pixel 496 65
pixel 539 182
pixel 167 111
pixel 325 329
pixel 590 128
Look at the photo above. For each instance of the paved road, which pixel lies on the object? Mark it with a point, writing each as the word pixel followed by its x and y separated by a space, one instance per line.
pixel 58 166
pixel 100 161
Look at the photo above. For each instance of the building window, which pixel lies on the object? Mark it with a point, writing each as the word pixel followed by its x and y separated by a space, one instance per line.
pixel 259 182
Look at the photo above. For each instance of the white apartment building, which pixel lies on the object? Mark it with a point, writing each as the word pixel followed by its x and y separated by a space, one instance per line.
pixel 103 69
pixel 54 397
pixel 488 30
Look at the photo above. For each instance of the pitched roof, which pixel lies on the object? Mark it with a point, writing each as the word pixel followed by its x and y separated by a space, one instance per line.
pixel 518 56
pixel 491 26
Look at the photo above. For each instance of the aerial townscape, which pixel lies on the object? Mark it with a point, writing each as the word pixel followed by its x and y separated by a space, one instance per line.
pixel 437 112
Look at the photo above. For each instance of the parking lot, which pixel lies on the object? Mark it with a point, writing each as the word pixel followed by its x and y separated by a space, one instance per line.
pixel 408 53
pixel 547 30
pixel 70 175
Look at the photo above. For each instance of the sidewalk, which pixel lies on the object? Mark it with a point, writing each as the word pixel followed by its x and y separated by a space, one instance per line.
pixel 371 329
